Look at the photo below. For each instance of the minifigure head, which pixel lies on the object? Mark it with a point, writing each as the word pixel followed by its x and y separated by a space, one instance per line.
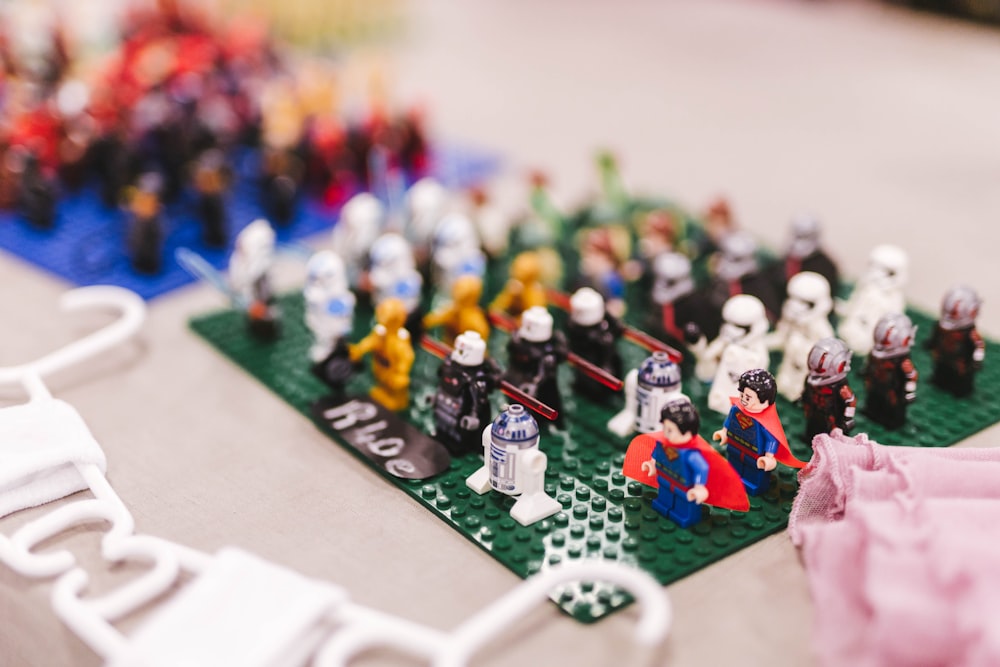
pixel 959 308
pixel 391 253
pixel 391 314
pixel 829 361
pixel 586 307
pixel 455 231
pixel 326 271
pixel 536 325
pixel 597 253
pixel 256 239
pixel 469 350
pixel 757 390
pixel 515 426
pixel 737 256
pixel 671 277
pixel 808 298
pixel 426 204
pixel 887 268
pixel 743 319
pixel 466 290
pixel 805 231
pixel 658 371
pixel 680 421
pixel 526 268
pixel 658 232
pixel 893 336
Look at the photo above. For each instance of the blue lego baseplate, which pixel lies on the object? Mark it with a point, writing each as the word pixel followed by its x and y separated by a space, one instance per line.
pixel 87 244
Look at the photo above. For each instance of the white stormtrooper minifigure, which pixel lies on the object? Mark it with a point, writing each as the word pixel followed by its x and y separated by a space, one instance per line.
pixel 648 388
pixel 427 202
pixel 393 271
pixel 515 466
pixel 250 279
pixel 361 221
pixel 878 292
pixel 456 251
pixel 329 303
pixel 804 320
pixel 740 347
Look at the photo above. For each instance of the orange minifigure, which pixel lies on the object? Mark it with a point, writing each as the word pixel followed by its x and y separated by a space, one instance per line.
pixel 524 288
pixel 392 355
pixel 463 313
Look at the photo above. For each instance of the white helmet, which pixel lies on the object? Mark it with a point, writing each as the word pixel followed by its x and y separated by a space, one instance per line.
pixel 426 204
pixel 743 319
pixel 737 255
pixel 391 252
pixel 806 231
pixel 536 325
pixel 586 307
pixel 671 277
pixel 256 239
pixel 959 308
pixel 808 297
pixel 326 271
pixel 887 267
pixel 455 230
pixel 470 349
pixel 893 336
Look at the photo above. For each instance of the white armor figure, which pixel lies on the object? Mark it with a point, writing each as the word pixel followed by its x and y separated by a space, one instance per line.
pixel 515 466
pixel 456 251
pixel 648 388
pixel 251 262
pixel 393 271
pixel 427 202
pixel 329 303
pixel 737 256
pixel 878 292
pixel 804 320
pixel 360 223
pixel 740 347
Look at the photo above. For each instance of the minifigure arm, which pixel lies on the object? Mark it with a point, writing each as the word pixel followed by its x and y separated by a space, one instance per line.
pixel 438 317
pixel 910 372
pixel 979 350
pixel 722 435
pixel 366 344
pixel 505 299
pixel 649 467
pixel 850 404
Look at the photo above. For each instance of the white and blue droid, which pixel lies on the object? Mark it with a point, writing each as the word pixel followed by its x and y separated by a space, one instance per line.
pixel 329 303
pixel 648 388
pixel 515 466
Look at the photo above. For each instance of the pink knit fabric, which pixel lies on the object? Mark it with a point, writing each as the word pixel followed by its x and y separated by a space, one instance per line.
pixel 898 546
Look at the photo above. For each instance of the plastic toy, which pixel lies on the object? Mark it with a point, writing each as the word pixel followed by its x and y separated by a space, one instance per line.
pixel 879 292
pixel 515 466
pixel 37 192
pixel 736 271
pixel 463 313
pixel 805 254
pixel 592 334
pixel 524 289
pixel 740 347
pixel 752 432
pixel 329 316
pixel 602 256
pixel 535 352
pixel 648 389
pixel 804 320
pixel 674 297
pixel 210 180
pixel 250 278
pixel 392 355
pixel 956 347
pixel 426 203
pixel 685 468
pixel 827 400
pixel 890 376
pixel 360 223
pixel 456 251
pixel 393 274
pixel 145 232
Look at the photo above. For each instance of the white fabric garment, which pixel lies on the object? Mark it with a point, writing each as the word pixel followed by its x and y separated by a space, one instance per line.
pixel 40 444
pixel 241 610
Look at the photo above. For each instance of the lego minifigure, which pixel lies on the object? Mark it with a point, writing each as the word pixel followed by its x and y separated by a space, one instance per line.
pixel 752 432
pixel 357 228
pixel 736 271
pixel 602 255
pixel 739 347
pixel 592 334
pixel 648 389
pixel 956 346
pixel 463 313
pixel 455 251
pixel 392 355
pixel 534 353
pixel 393 274
pixel 879 292
pixel 676 303
pixel 524 289
pixel 805 254
pixel 330 316
pixel 827 399
pixel 462 399
pixel 426 203
pixel 515 466
pixel 145 230
pixel 685 468
pixel 210 181
pixel 250 279
pixel 38 193
pixel 890 376
pixel 804 320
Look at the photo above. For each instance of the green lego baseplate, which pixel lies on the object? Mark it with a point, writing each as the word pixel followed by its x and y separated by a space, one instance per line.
pixel 604 514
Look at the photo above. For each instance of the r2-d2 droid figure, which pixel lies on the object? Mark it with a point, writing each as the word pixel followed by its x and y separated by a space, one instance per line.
pixel 879 292
pixel 648 389
pixel 804 320
pixel 329 316
pixel 515 466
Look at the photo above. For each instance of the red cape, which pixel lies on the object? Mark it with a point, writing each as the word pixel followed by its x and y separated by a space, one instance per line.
pixel 725 488
pixel 769 420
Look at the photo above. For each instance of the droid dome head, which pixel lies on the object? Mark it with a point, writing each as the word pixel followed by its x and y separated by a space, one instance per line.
pixel 671 277
pixel 887 268
pixel 470 349
pixel 829 361
pixel 586 307
pixel 808 297
pixel 391 252
pixel 737 256
pixel 326 271
pixel 515 426
pixel 959 308
pixel 743 319
pixel 658 371
pixel 893 335
pixel 805 231
pixel 536 325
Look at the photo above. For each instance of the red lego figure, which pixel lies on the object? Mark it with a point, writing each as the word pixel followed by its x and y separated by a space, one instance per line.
pixel 956 346
pixel 827 400
pixel 890 377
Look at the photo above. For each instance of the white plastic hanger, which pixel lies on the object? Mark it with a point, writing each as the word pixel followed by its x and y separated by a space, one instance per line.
pixel 106 505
